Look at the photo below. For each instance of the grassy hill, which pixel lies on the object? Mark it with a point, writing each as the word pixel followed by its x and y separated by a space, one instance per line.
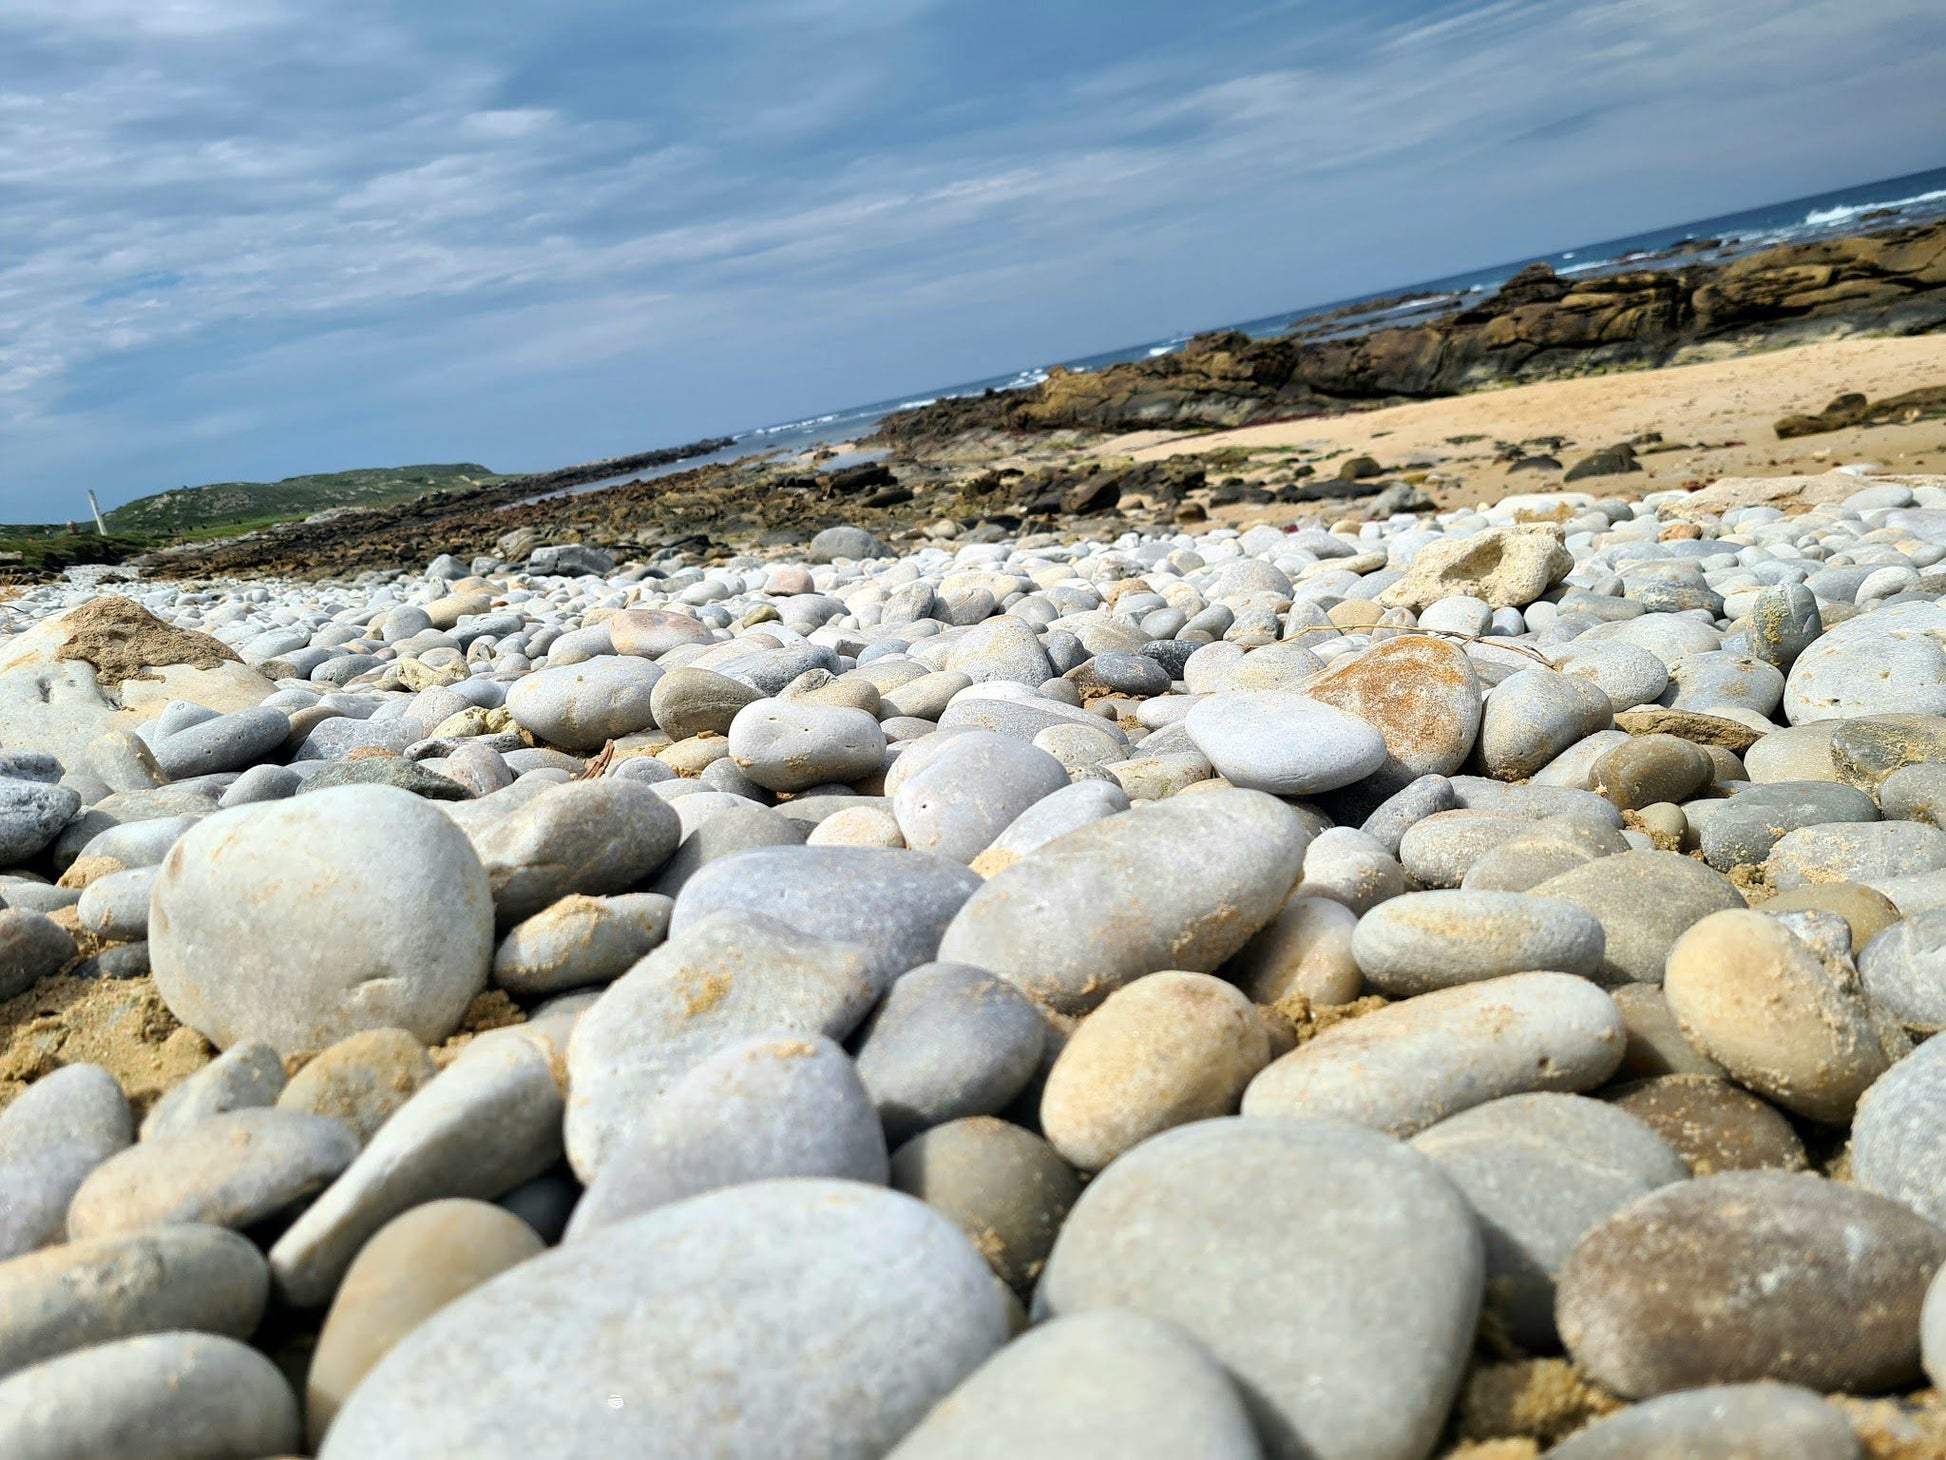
pixel 225 508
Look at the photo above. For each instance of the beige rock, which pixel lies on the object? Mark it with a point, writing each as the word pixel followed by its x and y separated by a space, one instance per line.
pixel 1420 693
pixel 1756 999
pixel 1509 567
pixel 360 1081
pixel 414 1266
pixel 1305 949
pixel 1166 1050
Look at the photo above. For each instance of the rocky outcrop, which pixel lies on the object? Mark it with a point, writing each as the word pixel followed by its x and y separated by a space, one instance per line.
pixel 1853 409
pixel 1539 326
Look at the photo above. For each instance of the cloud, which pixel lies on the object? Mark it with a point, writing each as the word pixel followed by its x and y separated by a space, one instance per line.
pixel 295 222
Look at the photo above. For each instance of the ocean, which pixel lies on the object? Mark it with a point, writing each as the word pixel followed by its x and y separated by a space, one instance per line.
pixel 1916 197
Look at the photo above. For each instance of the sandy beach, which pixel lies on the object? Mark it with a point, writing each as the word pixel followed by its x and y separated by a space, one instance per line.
pixel 1716 419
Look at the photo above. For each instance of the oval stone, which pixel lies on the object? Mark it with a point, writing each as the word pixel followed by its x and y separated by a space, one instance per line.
pixel 1403 1068
pixel 300 922
pixel 1434 940
pixel 1181 884
pixel 887 1294
pixel 1349 1343
pixel 1742 1276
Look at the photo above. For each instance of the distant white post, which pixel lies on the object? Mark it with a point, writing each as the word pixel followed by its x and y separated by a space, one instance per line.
pixel 95 507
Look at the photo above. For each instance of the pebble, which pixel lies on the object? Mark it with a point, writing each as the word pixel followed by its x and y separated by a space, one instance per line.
pixel 1306 950
pixel 245 1076
pixel 792 745
pixel 757 1109
pixel 583 706
pixel 1005 1187
pixel 1644 901
pixel 1731 1278
pixel 361 1080
pixel 1283 743
pixel 231 1170
pixel 1421 694
pixel 161 1396
pixel 590 837
pixel 1542 1171
pixel 1408 1066
pixel 32 946
pixel 971 789
pixel 1651 768
pixel 1350 867
pixel 1712 1124
pixel 894 906
pixel 580 940
pixel 1435 940
pixel 1182 884
pixel 714 983
pixel 299 922
pixel 689 701
pixel 1758 1000
pixel 1535 714
pixel 31 815
pixel 86 1292
pixel 947 1041
pixel 889 1296
pixel 491 1120
pixel 1719 1422
pixel 1112 1382
pixel 1904 969
pixel 52 1136
pixel 1348 1343
pixel 1863 852
pixel 1898 1142
pixel 1162 1051
pixel 413 1266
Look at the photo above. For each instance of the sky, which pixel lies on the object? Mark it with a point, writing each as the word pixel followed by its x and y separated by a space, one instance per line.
pixel 246 239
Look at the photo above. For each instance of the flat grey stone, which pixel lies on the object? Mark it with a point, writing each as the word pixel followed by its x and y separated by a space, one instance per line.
pixel 1718 1422
pixel 1284 743
pixel 231 1170
pixel 1182 884
pixel 763 1108
pixel 583 706
pixel 894 905
pixel 57 1131
pixel 1433 940
pixel 1542 1171
pixel 1644 901
pixel 890 1298
pixel 491 1120
pixel 243 1077
pixel 792 745
pixel 200 1278
pixel 714 983
pixel 162 1396
pixel 226 743
pixel 1349 1344
pixel 1112 1382
pixel 32 815
pixel 31 947
pixel 590 837
pixel 975 787
pixel 1408 1066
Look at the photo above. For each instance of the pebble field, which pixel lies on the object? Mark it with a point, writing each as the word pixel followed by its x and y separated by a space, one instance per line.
pixel 1253 994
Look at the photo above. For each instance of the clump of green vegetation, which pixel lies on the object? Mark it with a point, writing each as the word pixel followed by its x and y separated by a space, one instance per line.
pixel 223 509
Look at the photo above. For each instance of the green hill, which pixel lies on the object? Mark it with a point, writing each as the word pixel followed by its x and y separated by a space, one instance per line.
pixel 225 508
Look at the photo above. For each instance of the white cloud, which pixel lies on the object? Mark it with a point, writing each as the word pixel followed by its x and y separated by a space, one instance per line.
pixel 227 179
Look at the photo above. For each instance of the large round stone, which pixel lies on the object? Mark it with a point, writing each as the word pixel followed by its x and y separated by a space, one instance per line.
pixel 971 790
pixel 300 922
pixel 1644 901
pixel 1893 659
pixel 1183 884
pixel 1348 1341
pixel 786 1320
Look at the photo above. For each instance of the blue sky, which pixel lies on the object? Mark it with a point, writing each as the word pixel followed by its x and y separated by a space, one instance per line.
pixel 243 239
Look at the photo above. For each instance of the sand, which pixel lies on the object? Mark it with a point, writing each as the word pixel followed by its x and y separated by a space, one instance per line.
pixel 1720 416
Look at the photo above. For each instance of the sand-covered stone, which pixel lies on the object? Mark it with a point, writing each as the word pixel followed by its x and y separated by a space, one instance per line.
pixel 1005 1187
